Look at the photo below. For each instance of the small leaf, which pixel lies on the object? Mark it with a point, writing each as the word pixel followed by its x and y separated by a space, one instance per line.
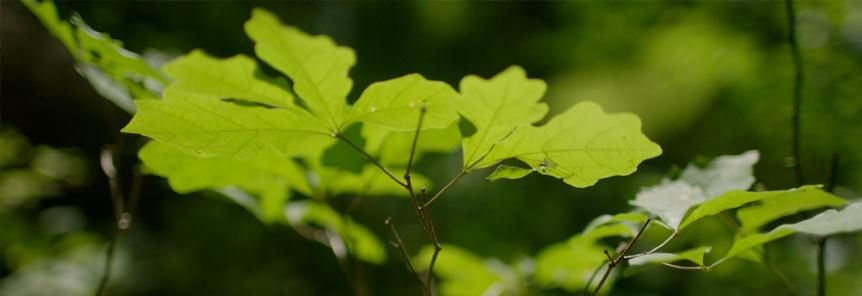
pixel 568 265
pixel 207 127
pixel 735 199
pixel 361 242
pixel 508 172
pixel 318 67
pixel 237 77
pixel 693 255
pixel 770 209
pixel 395 104
pixel 461 272
pixel 580 146
pixel 46 11
pixel 497 106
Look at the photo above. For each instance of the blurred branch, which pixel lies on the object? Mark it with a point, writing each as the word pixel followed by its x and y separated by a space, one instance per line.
pixel 613 262
pixel 122 211
pixel 797 92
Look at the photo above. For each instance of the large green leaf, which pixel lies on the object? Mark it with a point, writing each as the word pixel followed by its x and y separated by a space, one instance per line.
pixel 317 66
pixel 753 217
pixel 738 198
pixel 237 77
pixel 496 107
pixel 197 124
pixel 396 104
pixel 580 146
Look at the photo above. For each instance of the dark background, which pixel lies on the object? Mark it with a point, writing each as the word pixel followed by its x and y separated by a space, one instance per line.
pixel 707 79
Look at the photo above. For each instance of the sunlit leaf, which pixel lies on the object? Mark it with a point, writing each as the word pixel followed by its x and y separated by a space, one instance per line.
pixel 317 66
pixel 237 77
pixel 209 127
pixel 496 107
pixel 580 146
pixel 46 11
pixel 396 103
pixel 392 148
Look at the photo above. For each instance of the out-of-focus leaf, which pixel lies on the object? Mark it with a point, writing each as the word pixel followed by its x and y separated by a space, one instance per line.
pixel 237 77
pixel 318 67
pixel 508 172
pixel 461 272
pixel 395 104
pixel 46 11
pixel 569 265
pixel 361 242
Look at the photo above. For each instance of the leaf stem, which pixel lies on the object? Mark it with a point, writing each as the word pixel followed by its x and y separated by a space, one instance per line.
pixel 613 262
pixel 370 158
pixel 444 189
pixel 121 209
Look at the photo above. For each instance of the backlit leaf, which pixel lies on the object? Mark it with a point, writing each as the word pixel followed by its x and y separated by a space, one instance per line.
pixel 508 172
pixel 317 66
pixel 693 255
pixel 770 209
pixel 396 103
pixel 237 77
pixel 737 198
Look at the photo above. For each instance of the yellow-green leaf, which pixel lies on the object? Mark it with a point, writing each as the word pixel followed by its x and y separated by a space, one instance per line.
pixel 395 104
pixel 317 66
pixel 237 77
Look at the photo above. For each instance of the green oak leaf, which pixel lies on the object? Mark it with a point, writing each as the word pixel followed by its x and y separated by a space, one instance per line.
pixel 753 217
pixel 317 66
pixel 508 172
pixel 694 255
pixel 461 272
pixel 197 124
pixel 269 176
pixel 237 77
pixel 98 48
pixel 569 265
pixel 496 107
pixel 396 104
pixel 359 241
pixel 370 181
pixel 738 198
pixel 580 146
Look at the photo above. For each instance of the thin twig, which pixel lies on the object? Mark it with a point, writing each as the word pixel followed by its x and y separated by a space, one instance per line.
pixel 656 248
pixel 444 189
pixel 370 158
pixel 613 262
pixel 671 265
pixel 121 210
pixel 592 277
pixel 429 278
pixel 399 244
pixel 797 92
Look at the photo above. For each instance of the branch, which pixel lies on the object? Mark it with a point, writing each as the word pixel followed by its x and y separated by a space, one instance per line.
pixel 797 91
pixel 613 262
pixel 656 248
pixel 399 244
